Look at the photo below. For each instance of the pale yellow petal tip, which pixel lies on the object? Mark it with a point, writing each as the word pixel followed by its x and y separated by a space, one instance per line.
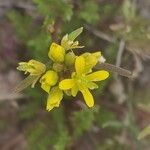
pixel 54 98
pixel 106 74
pixel 88 97
pixel 49 107
pixel 98 75
pixel 90 104
pixel 45 87
pixel 97 54
pixel 90 100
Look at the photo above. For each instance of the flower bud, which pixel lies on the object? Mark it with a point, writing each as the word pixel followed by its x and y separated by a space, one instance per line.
pixel 70 59
pixel 33 67
pixel 54 98
pixel 49 79
pixel 56 53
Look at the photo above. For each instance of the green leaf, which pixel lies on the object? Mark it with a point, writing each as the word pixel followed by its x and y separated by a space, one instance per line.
pixel 73 35
pixel 145 132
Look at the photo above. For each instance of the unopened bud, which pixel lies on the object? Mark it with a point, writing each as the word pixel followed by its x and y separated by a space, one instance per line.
pixel 70 59
pixel 56 53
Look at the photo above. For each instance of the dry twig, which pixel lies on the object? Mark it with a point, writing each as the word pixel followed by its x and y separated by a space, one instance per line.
pixel 101 34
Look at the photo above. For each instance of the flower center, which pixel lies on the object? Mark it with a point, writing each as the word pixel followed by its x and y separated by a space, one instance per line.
pixel 79 81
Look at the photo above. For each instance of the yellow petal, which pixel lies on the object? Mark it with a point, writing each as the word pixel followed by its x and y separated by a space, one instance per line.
pixel 98 75
pixel 45 87
pixel 74 90
pixel 54 98
pixel 33 67
pixel 56 53
pixel 80 65
pixel 39 67
pixel 66 84
pixel 97 54
pixel 50 77
pixel 91 60
pixel 88 97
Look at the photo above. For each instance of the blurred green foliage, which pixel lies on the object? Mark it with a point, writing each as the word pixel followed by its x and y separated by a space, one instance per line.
pixel 51 9
pixel 83 120
pixel 89 11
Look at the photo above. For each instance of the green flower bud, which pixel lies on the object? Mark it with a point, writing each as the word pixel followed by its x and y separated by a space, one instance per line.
pixel 70 59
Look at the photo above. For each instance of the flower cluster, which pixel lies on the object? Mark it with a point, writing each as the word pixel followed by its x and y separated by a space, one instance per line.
pixel 69 73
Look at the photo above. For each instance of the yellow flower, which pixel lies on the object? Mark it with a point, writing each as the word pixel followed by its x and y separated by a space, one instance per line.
pixel 54 98
pixel 81 81
pixel 35 70
pixel 91 59
pixel 68 44
pixel 56 53
pixel 49 79
pixel 33 67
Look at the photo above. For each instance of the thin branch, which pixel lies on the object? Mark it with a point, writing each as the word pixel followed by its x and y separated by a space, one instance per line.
pixel 113 68
pixel 28 6
pixel 5 4
pixel 101 34
pixel 106 66
pixel 24 5
pixel 120 53
pixel 10 97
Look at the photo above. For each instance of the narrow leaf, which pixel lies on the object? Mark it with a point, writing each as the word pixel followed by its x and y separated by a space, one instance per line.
pixel 73 35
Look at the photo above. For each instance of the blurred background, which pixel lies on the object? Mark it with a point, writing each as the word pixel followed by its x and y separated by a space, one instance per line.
pixel 121 30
